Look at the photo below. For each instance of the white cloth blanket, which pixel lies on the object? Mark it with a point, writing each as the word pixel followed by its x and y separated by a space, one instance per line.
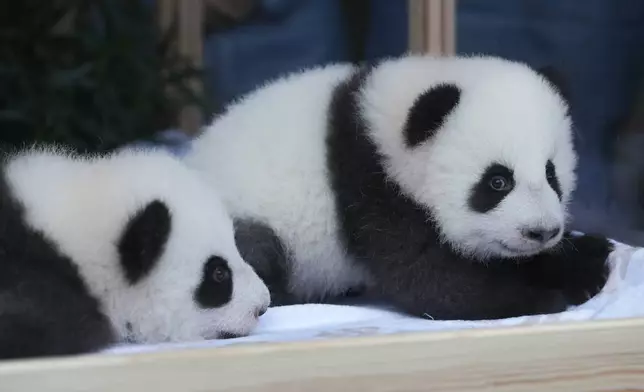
pixel 622 297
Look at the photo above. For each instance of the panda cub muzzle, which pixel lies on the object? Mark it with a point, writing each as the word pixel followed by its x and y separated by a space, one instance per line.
pixel 541 235
pixel 216 290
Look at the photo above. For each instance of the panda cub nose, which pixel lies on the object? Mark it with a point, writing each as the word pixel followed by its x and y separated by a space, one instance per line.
pixel 261 311
pixel 541 234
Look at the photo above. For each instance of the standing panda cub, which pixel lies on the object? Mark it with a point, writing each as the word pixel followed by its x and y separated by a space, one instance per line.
pixel 439 184
pixel 127 247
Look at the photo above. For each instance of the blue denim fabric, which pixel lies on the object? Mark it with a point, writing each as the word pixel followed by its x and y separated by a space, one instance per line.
pixel 388 29
pixel 283 36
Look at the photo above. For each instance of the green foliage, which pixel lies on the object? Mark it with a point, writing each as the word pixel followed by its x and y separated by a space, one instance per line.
pixel 90 73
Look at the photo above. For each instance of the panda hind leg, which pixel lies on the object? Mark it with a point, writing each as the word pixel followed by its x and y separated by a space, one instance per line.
pixel 33 326
pixel 264 250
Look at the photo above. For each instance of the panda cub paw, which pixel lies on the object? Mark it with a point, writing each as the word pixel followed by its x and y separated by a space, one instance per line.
pixel 578 267
pixel 586 266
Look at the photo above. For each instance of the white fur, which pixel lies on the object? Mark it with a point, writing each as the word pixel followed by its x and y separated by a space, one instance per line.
pixel 267 155
pixel 83 204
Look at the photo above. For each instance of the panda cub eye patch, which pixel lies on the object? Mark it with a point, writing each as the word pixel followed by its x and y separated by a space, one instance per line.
pixel 216 286
pixel 492 187
pixel 553 180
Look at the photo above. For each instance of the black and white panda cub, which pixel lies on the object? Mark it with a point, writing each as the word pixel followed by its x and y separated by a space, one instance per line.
pixel 440 184
pixel 131 246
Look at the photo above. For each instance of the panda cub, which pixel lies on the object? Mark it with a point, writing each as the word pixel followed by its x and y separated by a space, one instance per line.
pixel 438 184
pixel 130 246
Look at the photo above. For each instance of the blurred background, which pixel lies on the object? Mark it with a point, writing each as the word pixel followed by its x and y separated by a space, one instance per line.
pixel 103 74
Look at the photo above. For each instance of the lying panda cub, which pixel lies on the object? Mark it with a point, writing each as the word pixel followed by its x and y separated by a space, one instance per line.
pixel 440 184
pixel 130 246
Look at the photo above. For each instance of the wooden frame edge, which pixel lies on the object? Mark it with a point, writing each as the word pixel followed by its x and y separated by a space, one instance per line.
pixel 432 26
pixel 597 355
pixel 189 15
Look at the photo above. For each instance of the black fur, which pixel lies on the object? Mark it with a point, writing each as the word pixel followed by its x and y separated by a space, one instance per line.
pixel 577 267
pixel 143 240
pixel 553 180
pixel 46 309
pixel 260 247
pixel 213 292
pixel 398 241
pixel 429 112
pixel 483 197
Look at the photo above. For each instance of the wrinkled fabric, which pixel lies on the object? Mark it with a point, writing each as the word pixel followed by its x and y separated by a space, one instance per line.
pixel 622 297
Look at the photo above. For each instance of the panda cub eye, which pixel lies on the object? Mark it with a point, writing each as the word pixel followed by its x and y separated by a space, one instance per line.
pixel 218 268
pixel 216 286
pixel 551 177
pixel 500 183
pixel 494 184
pixel 550 171
pixel 221 274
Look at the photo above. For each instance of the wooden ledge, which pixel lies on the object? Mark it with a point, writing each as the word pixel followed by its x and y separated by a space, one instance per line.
pixel 599 355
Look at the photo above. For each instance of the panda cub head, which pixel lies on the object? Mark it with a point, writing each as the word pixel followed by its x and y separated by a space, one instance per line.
pixel 484 143
pixel 151 241
pixel 186 288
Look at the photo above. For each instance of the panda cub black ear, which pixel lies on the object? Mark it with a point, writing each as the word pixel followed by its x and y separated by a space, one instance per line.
pixel 429 112
pixel 143 240
pixel 556 79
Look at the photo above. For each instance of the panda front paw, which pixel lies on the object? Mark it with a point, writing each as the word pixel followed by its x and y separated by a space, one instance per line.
pixel 551 302
pixel 586 266
pixel 578 267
